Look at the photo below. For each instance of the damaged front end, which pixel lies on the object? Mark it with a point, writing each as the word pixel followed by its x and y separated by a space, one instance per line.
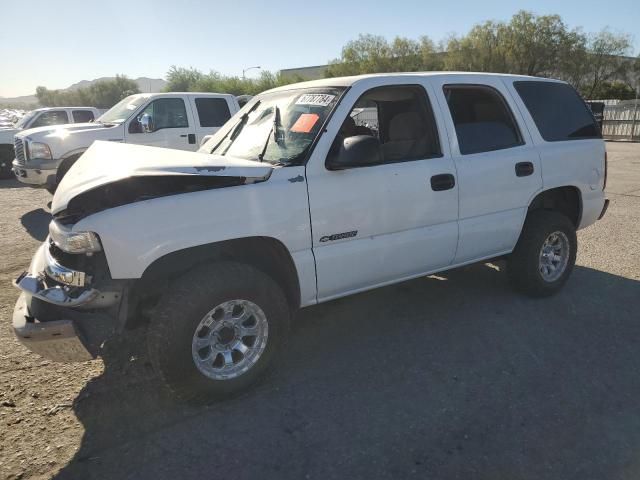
pixel 140 188
pixel 110 175
pixel 69 305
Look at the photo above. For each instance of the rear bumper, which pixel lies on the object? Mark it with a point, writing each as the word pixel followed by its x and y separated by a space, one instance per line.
pixel 34 177
pixel 594 204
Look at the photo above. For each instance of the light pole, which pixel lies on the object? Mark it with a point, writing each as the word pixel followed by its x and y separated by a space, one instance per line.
pixel 247 69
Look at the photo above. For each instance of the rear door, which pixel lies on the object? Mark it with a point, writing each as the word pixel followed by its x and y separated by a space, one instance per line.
pixel 498 166
pixel 171 125
pixel 210 113
pixel 82 116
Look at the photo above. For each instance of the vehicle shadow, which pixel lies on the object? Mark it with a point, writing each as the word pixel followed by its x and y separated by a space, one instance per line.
pixel 36 223
pixel 10 183
pixel 450 376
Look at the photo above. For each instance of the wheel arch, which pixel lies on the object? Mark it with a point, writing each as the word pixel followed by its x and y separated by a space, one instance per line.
pixel 267 254
pixel 565 199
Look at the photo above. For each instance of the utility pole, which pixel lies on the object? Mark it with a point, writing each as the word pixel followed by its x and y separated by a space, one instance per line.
pixel 247 69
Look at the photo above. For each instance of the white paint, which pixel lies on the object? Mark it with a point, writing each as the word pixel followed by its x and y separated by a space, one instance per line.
pixel 404 228
pixel 67 140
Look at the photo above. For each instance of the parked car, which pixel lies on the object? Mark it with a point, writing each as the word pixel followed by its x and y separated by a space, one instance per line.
pixel 172 120
pixel 292 203
pixel 40 117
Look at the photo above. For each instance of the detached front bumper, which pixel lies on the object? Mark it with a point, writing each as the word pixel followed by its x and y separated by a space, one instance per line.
pixel 34 177
pixel 57 340
pixel 59 315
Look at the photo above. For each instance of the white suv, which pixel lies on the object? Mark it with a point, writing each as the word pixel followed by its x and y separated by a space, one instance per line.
pixel 311 192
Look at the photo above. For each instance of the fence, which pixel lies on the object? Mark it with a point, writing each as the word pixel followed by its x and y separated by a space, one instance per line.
pixel 620 119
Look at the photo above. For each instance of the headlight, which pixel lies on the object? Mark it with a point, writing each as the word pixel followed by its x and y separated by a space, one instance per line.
pixel 73 242
pixel 39 150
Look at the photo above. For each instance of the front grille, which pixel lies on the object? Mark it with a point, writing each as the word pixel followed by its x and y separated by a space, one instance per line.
pixel 19 151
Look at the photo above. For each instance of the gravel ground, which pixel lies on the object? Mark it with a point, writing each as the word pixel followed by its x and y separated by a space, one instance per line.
pixel 451 376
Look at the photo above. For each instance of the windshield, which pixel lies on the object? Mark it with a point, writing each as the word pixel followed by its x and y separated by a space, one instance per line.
pixel 276 127
pixel 123 109
pixel 26 119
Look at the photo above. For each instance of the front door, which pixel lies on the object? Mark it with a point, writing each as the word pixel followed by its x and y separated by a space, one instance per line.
pixel 395 219
pixel 164 122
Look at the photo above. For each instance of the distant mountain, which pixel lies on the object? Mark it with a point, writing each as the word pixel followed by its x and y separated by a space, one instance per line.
pixel 26 100
pixel 145 84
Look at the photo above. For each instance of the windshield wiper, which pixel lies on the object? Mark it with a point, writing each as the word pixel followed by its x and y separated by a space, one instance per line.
pixel 275 129
pixel 235 131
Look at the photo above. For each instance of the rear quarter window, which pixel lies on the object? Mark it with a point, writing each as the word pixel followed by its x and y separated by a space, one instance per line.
pixel 213 112
pixel 558 111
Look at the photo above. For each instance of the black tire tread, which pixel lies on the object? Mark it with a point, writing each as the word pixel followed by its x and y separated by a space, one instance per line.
pixel 189 289
pixel 522 264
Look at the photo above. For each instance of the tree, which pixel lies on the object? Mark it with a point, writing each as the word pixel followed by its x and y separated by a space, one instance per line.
pixel 481 50
pixel 606 55
pixel 182 79
pixel 374 54
pixel 192 80
pixel 614 90
pixel 101 94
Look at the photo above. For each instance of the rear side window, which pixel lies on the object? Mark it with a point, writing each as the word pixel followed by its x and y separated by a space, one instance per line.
pixel 213 112
pixel 52 117
pixel 82 116
pixel 482 119
pixel 558 111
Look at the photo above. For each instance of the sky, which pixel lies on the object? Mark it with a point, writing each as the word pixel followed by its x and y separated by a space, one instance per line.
pixel 58 43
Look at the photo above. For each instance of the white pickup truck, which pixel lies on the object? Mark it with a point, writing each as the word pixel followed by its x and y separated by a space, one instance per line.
pixel 41 117
pixel 172 120
pixel 298 200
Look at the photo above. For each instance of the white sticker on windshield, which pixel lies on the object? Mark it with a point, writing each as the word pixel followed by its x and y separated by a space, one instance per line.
pixel 317 99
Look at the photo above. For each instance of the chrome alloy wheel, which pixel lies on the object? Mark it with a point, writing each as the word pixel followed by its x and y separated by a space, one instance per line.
pixel 554 256
pixel 230 339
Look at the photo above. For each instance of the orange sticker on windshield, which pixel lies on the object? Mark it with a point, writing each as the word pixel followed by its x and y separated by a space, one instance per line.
pixel 305 123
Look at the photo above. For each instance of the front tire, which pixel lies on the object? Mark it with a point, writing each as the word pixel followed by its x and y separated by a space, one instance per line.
pixel 6 159
pixel 544 255
pixel 217 329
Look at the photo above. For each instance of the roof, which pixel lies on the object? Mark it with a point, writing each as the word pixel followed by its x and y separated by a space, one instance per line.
pixel 44 109
pixel 352 80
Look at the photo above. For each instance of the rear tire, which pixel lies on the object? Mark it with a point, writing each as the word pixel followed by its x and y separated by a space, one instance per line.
pixel 200 333
pixel 544 255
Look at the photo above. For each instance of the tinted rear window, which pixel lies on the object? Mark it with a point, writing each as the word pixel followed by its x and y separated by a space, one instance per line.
pixel 558 111
pixel 213 112
pixel 82 116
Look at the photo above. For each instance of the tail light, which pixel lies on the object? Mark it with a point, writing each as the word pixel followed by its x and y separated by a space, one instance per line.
pixel 606 164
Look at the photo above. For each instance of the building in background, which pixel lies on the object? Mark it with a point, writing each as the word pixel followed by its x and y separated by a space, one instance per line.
pixel 306 73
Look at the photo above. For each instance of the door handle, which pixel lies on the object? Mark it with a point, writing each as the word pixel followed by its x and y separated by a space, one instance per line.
pixel 191 137
pixel 524 169
pixel 444 181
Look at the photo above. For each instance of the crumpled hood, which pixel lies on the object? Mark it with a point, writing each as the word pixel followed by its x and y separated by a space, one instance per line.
pixel 106 163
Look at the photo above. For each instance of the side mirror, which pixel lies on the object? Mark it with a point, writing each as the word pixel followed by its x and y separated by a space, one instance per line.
pixel 356 151
pixel 146 122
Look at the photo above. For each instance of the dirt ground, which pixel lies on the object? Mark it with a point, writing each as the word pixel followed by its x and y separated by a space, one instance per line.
pixel 452 376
